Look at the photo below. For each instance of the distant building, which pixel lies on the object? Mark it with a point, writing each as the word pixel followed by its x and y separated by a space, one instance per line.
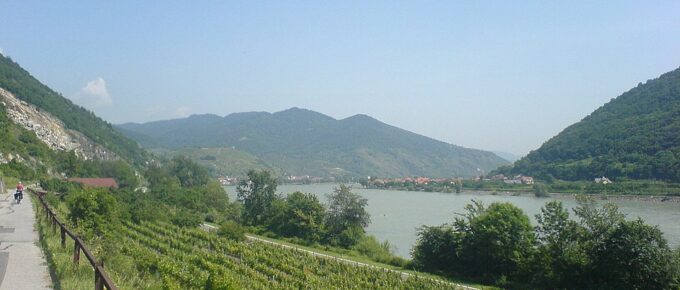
pixel 603 180
pixel 499 177
pixel 226 180
pixel 520 179
pixel 422 180
pixel 512 181
pixel 526 179
pixel 95 182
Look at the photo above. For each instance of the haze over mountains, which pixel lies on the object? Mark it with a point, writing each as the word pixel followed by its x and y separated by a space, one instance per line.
pixel 634 136
pixel 304 142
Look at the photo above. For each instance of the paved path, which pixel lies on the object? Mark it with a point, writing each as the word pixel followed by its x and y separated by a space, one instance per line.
pixel 347 261
pixel 22 265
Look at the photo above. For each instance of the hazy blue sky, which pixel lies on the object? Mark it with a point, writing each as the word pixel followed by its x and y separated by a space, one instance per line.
pixel 500 75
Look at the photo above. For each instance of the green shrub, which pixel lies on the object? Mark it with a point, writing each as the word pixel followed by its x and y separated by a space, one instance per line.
pixel 232 230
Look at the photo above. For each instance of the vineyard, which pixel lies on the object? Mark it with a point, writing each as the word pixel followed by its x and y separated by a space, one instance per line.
pixel 196 259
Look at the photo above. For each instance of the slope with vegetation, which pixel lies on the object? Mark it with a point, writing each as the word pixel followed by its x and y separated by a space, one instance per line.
pixel 303 142
pixel 634 136
pixel 223 161
pixel 21 84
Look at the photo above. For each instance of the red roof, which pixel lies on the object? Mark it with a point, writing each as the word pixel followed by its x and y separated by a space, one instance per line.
pixel 96 182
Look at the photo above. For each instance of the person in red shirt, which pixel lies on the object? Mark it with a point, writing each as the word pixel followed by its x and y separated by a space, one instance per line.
pixel 19 195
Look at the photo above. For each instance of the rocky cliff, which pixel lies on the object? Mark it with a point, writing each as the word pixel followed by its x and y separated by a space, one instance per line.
pixel 51 130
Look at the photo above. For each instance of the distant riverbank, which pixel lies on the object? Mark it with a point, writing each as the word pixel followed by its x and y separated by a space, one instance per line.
pixel 598 196
pixel 650 190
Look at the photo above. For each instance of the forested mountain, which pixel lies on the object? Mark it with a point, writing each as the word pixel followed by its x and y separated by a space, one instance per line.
pixel 304 142
pixel 25 87
pixel 635 136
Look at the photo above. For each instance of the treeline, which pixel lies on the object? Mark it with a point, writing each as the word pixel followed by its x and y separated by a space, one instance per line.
pixel 662 165
pixel 177 191
pixel 598 250
pixel 302 217
pixel 620 187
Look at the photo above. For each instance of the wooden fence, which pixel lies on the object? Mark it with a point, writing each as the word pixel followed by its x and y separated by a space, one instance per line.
pixel 101 279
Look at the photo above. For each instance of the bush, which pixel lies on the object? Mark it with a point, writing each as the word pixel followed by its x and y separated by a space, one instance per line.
pixel 232 230
pixel 370 247
pixel 93 210
pixel 185 218
pixel 540 190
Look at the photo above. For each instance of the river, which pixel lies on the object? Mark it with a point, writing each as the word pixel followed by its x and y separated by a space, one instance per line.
pixel 396 215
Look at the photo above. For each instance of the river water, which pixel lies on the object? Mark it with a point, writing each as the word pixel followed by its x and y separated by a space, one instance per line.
pixel 396 215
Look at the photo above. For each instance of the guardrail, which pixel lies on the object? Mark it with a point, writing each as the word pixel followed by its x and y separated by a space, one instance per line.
pixel 101 279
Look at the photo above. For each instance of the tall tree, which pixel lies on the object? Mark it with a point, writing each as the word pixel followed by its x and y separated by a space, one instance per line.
pixel 188 172
pixel 560 260
pixel 257 193
pixel 346 217
pixel 634 256
pixel 499 242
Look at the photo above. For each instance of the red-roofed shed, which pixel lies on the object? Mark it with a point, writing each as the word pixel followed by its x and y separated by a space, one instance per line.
pixel 96 182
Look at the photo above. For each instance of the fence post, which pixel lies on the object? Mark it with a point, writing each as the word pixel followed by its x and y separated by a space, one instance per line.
pixel 98 281
pixel 63 237
pixel 76 251
pixel 54 224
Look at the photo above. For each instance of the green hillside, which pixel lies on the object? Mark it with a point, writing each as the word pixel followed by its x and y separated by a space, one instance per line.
pixel 19 82
pixel 634 136
pixel 303 142
pixel 225 161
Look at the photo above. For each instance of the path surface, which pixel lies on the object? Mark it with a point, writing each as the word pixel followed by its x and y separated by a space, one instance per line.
pixel 348 261
pixel 22 265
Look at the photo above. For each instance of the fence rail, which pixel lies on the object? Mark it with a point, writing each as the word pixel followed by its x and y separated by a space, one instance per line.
pixel 101 279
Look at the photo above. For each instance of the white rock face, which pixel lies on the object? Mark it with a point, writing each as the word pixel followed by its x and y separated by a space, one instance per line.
pixel 50 130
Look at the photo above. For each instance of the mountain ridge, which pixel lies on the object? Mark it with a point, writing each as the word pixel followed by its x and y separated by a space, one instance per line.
pixel 305 142
pixel 633 136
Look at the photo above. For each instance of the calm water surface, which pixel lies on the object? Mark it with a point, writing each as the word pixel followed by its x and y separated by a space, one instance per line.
pixel 395 215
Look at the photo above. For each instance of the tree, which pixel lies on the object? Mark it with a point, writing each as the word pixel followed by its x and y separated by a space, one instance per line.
pixel 302 217
pixel 232 230
pixel 188 172
pixel 560 259
pixel 498 242
pixel 437 249
pixel 634 256
pixel 257 193
pixel 95 211
pixel 346 217
pixel 459 186
pixel 597 223
pixel 623 254
pixel 494 243
pixel 540 190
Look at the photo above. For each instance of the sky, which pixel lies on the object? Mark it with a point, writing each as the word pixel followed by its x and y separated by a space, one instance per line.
pixel 493 75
